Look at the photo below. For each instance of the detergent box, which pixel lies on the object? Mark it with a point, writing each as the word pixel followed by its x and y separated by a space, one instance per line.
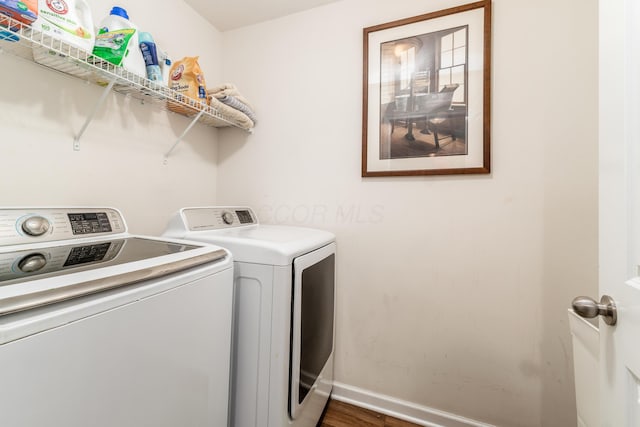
pixel 25 11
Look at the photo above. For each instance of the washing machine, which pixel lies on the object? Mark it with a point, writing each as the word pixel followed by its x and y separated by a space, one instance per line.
pixel 283 349
pixel 102 328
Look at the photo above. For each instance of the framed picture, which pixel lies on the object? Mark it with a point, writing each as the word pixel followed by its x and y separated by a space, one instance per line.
pixel 426 94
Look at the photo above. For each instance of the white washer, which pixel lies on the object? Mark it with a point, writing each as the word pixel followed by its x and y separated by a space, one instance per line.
pixel 282 372
pixel 102 328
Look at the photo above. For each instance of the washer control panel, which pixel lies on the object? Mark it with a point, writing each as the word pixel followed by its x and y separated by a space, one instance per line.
pixel 217 218
pixel 20 226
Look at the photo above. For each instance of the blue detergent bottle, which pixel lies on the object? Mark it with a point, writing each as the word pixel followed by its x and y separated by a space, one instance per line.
pixel 150 55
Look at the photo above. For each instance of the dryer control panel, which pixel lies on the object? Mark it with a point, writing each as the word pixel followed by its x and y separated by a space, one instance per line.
pixel 217 218
pixel 31 225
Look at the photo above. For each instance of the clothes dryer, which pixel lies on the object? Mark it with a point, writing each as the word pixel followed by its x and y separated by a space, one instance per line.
pixel 282 372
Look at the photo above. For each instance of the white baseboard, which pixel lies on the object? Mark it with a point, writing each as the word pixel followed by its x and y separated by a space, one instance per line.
pixel 400 409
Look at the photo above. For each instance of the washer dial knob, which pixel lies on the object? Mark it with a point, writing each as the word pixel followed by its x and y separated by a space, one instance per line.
pixel 36 225
pixel 227 217
pixel 32 262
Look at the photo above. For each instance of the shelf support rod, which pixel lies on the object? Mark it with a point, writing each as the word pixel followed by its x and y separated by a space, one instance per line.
pixel 96 107
pixel 175 144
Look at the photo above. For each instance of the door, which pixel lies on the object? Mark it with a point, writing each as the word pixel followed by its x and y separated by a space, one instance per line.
pixel 619 201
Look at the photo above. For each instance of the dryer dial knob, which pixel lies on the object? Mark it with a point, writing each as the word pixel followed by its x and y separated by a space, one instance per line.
pixel 36 225
pixel 32 262
pixel 227 217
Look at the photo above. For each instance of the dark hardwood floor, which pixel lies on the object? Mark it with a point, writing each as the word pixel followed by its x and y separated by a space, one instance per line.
pixel 340 414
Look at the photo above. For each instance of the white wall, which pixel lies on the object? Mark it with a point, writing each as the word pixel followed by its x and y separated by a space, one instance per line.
pixel 452 291
pixel 121 158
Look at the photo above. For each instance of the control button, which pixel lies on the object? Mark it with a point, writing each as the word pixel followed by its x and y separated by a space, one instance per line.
pixel 36 226
pixel 32 262
pixel 227 217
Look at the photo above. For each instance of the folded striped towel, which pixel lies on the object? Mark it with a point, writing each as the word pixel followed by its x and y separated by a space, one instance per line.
pixel 228 89
pixel 231 114
pixel 234 102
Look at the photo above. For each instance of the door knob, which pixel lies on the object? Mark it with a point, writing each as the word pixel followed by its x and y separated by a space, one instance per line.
pixel 589 308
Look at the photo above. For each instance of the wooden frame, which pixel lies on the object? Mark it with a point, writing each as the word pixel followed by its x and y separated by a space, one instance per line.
pixel 427 94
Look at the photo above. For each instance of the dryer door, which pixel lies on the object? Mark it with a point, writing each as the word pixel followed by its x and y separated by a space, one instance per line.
pixel 313 331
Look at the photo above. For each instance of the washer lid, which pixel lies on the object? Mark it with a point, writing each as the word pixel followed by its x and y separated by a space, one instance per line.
pixel 30 264
pixel 32 276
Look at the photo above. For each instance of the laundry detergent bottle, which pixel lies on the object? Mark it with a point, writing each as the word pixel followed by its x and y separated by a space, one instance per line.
pixel 114 27
pixel 66 20
pixel 150 55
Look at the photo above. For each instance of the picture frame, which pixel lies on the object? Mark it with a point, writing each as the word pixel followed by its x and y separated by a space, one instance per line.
pixel 427 94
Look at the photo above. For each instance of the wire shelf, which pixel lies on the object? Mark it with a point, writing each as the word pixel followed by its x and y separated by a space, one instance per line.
pixel 35 46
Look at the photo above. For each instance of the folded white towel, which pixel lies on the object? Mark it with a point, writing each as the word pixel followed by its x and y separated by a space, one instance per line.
pixel 221 87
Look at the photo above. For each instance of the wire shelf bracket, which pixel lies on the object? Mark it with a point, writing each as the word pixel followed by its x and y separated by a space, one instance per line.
pixel 94 111
pixel 181 137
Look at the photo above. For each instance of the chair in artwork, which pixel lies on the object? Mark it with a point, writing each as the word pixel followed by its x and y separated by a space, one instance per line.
pixel 438 109
pixel 431 108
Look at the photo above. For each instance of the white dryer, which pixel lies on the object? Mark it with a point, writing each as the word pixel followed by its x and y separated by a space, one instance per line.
pixel 102 328
pixel 282 372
